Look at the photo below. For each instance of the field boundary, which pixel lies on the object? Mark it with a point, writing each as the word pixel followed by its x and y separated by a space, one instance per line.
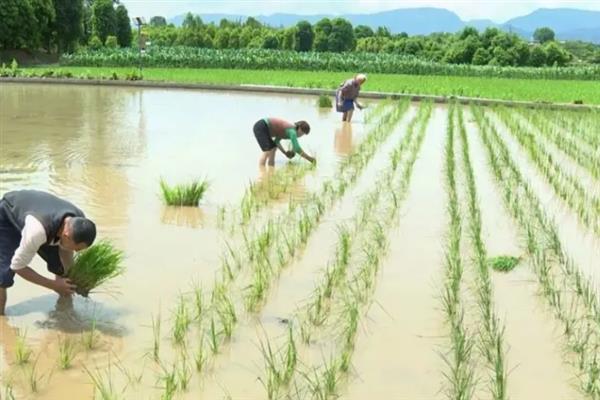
pixel 251 88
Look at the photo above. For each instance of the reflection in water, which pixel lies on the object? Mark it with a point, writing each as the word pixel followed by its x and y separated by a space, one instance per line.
pixel 343 140
pixel 192 217
pixel 70 314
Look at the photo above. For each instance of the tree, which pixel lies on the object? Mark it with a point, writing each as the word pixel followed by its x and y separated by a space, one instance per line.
pixel 192 21
pixel 543 35
pixel 158 21
pixel 305 36
pixel 17 27
pixel 287 38
pixel 555 55
pixel 462 51
pixel 469 31
pixel 103 19
pixel 322 32
pixel 383 31
pixel 123 26
pixel 537 57
pixel 222 39
pixel 68 24
pixel 481 57
pixel 44 14
pixel 363 31
pixel 270 41
pixel 341 37
pixel 112 42
pixel 253 23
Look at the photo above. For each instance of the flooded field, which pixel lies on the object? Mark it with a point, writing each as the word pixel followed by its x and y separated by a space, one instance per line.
pixel 365 276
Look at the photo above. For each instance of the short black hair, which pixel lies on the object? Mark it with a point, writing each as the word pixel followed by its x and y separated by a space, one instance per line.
pixel 83 230
pixel 303 125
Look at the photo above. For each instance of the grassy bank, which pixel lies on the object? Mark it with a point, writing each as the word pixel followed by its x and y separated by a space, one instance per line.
pixel 557 91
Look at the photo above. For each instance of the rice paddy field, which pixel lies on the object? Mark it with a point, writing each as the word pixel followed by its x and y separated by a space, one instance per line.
pixel 434 251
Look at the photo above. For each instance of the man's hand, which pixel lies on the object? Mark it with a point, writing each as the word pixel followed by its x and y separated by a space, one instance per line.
pixel 290 154
pixel 64 287
pixel 312 159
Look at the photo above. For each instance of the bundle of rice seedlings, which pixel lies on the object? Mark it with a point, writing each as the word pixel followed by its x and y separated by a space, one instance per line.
pixel 503 263
pixel 184 194
pixel 324 101
pixel 95 266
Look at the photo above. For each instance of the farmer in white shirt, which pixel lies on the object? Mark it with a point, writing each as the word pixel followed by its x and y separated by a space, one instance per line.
pixel 37 222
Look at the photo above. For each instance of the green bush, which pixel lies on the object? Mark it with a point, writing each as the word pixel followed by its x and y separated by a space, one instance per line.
pixel 111 42
pixel 95 43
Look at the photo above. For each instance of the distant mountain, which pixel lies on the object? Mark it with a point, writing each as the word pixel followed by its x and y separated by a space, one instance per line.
pixel 567 23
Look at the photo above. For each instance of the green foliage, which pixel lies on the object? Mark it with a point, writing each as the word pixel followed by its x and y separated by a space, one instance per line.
pixel 111 42
pixel 69 20
pixel 324 101
pixel 543 35
pixel 305 36
pixel 18 24
pixel 122 26
pixel 96 266
pixel 503 263
pixel 95 43
pixel 103 19
pixel 259 59
pixel 183 194
pixel 158 21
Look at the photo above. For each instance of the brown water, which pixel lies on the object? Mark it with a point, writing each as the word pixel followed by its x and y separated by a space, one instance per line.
pixel 105 149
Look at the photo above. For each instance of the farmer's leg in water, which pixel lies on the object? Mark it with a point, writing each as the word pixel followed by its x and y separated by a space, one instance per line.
pixel 262 161
pixel 272 156
pixel 349 115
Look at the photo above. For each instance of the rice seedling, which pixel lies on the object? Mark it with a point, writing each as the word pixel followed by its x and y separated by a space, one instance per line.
pixel 90 338
pixel 188 194
pixel 200 356
pixel 8 393
pixel 103 383
pixel 168 378
pixel 156 337
pixel 503 263
pixel 184 373
pixel 95 266
pixel 214 337
pixel 324 101
pixel 67 350
pixel 182 321
pixel 22 350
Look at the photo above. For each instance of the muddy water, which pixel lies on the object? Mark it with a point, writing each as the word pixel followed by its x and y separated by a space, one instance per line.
pixel 532 339
pixel 578 242
pixel 396 349
pixel 105 149
pixel 293 289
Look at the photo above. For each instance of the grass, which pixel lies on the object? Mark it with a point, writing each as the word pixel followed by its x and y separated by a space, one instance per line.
pixel 90 338
pixel 103 384
pixel 22 350
pixel 96 266
pixel 324 101
pixel 33 377
pixel 67 350
pixel 561 91
pixel 188 194
pixel 503 263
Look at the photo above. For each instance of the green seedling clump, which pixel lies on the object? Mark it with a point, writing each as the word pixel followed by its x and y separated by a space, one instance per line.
pixel 324 101
pixel 503 263
pixel 95 266
pixel 184 194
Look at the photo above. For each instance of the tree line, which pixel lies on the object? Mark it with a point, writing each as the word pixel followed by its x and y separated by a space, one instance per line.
pixel 63 25
pixel 490 47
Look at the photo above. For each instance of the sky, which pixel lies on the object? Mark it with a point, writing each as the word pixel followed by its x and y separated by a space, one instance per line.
pixel 496 10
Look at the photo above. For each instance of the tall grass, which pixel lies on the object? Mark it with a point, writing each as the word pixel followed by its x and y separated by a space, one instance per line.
pixel 188 194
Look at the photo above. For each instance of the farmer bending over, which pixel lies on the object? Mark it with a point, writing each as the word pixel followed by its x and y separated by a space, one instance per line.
pixel 270 131
pixel 346 96
pixel 37 222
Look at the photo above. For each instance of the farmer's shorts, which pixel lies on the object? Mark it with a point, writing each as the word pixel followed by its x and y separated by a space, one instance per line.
pixel 263 136
pixel 343 105
pixel 10 238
